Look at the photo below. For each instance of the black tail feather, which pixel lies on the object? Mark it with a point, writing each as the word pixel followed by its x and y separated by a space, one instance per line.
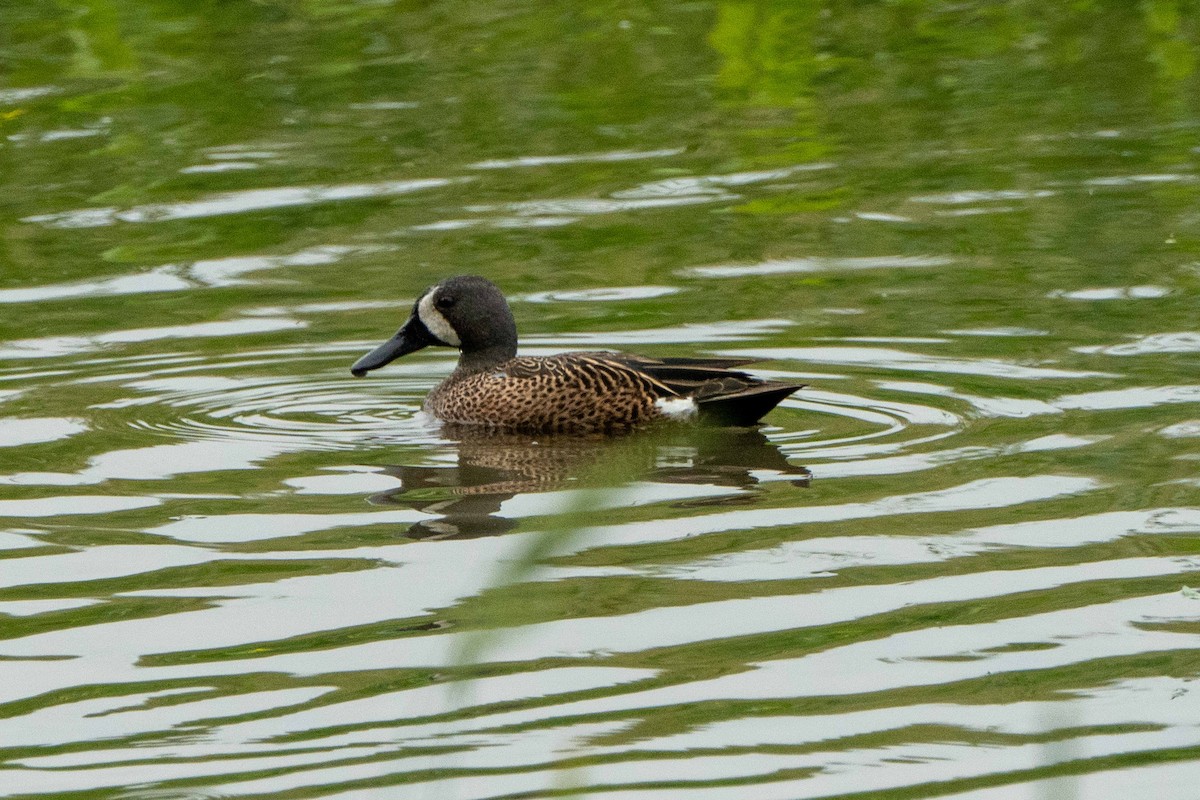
pixel 744 407
pixel 725 395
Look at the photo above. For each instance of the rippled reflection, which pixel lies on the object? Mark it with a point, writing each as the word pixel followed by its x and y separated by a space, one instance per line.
pixel 234 203
pixel 230 569
pixel 491 469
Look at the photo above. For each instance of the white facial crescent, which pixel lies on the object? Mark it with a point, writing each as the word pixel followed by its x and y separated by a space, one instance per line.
pixel 437 324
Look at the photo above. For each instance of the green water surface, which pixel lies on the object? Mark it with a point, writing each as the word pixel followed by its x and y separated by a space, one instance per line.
pixel 958 564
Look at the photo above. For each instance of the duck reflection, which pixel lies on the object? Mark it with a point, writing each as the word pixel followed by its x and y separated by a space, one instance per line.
pixel 493 467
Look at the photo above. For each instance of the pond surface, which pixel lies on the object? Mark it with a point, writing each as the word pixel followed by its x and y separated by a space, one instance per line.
pixel 958 564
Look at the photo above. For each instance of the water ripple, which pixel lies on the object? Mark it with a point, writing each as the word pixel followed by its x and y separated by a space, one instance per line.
pixel 308 414
pixel 581 158
pixel 783 266
pixel 55 346
pixel 237 203
pixel 884 358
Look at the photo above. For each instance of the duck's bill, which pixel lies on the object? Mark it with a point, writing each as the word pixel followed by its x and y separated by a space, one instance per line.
pixel 412 337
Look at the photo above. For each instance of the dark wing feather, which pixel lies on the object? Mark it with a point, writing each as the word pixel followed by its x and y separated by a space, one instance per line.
pixel 725 395
pixel 688 373
pixel 746 406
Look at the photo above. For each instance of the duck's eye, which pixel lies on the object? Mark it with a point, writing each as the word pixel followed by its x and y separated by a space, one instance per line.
pixel 445 301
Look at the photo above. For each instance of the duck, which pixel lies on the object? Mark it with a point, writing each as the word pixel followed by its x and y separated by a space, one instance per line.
pixel 592 392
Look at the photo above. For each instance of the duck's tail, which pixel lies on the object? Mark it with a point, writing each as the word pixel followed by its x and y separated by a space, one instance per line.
pixel 746 406
pixel 724 395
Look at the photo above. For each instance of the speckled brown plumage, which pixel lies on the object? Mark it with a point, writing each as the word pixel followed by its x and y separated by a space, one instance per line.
pixel 569 393
pixel 576 393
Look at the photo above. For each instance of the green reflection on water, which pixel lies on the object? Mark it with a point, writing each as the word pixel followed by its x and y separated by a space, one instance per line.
pixel 998 161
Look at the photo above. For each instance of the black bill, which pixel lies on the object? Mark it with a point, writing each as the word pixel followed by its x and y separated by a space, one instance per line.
pixel 410 338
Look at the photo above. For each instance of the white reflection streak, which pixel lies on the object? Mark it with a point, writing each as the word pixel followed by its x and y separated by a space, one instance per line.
pixel 1132 180
pixel 915 462
pixel 990 634
pixel 160 279
pixel 816 264
pixel 178 277
pixel 531 747
pixel 16 431
pixel 600 295
pixel 253 527
pixel 51 346
pixel 1138 397
pixel 229 271
pixel 237 203
pixel 1105 630
pixel 713 184
pixel 869 410
pixel 866 770
pixel 828 554
pixel 913 658
pixel 985 493
pixel 983 196
pixel 1106 400
pixel 459 582
pixel 1150 702
pixel 730 618
pixel 1182 342
pixel 131 714
pixel 159 462
pixel 436 699
pixel 582 158
pixel 72 505
pixel 140 774
pixel 699 333
pixel 128 717
pixel 1114 293
pixel 984 406
pixel 1153 703
pixel 886 358
pixel 1136 701
pixel 568 207
pixel 25 94
pixel 666 193
pixel 1161 780
pixel 98 563
pixel 462 572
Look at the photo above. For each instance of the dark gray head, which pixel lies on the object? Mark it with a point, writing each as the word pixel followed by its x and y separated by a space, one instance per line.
pixel 467 312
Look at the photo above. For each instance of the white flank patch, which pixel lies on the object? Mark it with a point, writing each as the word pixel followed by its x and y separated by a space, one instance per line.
pixel 437 324
pixel 676 407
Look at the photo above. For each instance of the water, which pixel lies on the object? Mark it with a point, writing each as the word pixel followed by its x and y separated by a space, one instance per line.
pixel 959 564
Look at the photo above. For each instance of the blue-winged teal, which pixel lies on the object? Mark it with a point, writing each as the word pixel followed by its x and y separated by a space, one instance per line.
pixel 593 392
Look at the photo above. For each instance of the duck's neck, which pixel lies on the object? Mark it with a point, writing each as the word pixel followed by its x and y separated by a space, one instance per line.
pixel 485 359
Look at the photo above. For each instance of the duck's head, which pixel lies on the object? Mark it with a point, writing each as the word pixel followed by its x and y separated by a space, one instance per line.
pixel 467 312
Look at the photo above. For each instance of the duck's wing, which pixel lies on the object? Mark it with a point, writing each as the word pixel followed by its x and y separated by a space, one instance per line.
pixel 598 374
pixel 576 367
pixel 724 394
pixel 685 376
pixel 745 406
